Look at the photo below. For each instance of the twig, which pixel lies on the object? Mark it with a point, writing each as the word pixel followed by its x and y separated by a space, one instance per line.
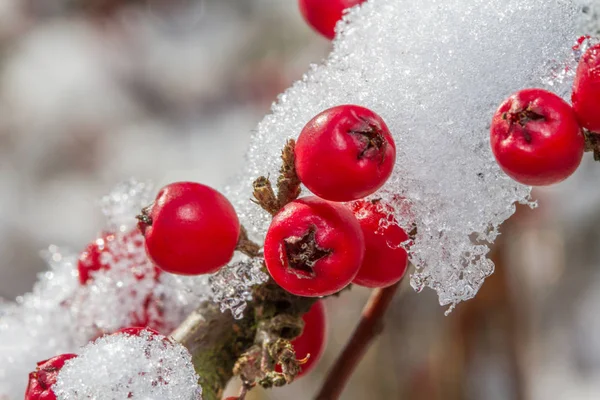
pixel 369 327
pixel 592 143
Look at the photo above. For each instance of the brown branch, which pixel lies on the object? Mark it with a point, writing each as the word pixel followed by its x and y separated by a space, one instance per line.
pixel 592 143
pixel 369 327
pixel 222 347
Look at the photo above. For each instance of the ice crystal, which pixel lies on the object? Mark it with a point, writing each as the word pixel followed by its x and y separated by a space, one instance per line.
pixel 231 286
pixel 122 366
pixel 124 202
pixel 435 71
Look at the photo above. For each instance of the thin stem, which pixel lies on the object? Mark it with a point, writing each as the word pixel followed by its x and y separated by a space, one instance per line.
pixel 369 327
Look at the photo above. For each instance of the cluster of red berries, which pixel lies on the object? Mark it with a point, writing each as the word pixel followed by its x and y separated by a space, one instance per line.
pixel 316 246
pixel 46 373
pixel 538 138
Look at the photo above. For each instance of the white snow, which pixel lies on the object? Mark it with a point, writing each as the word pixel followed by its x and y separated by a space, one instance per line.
pixel 122 366
pixel 435 71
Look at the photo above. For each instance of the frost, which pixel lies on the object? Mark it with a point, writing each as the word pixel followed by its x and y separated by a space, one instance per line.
pixel 123 366
pixel 435 71
pixel 231 286
pixel 38 326
pixel 125 202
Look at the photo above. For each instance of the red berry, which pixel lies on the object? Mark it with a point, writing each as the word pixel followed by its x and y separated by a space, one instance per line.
pixel 323 15
pixel 345 153
pixel 314 247
pixel 44 377
pixel 89 259
pixel 117 248
pixel 190 229
pixel 536 139
pixel 385 261
pixel 586 90
pixel 311 343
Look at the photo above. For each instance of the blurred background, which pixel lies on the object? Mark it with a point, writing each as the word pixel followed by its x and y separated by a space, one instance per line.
pixel 93 92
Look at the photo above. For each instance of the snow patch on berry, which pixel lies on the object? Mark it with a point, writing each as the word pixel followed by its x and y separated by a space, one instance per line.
pixel 124 366
pixel 435 71
pixel 560 73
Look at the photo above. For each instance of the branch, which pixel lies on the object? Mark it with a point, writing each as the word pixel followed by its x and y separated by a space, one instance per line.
pixel 369 327
pixel 250 347
pixel 592 143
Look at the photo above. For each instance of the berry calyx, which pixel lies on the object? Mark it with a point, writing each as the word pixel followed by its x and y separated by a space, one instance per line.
pixel 44 377
pixel 324 15
pixel 190 229
pixel 586 90
pixel 314 247
pixel 385 261
pixel 310 345
pixel 536 138
pixel 345 153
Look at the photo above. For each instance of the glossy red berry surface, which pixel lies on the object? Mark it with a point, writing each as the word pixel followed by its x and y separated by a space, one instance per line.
pixel 190 229
pixel 323 15
pixel 44 377
pixel 586 90
pixel 314 247
pixel 345 153
pixel 385 261
pixel 311 343
pixel 536 138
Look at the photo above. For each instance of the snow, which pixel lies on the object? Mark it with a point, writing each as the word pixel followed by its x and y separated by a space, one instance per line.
pixel 122 366
pixel 435 71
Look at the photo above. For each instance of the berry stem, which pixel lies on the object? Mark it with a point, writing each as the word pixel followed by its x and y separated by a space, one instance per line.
pixel 592 143
pixel 369 327
pixel 247 246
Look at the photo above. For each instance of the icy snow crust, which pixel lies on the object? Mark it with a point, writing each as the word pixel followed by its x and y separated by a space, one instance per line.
pixel 435 71
pixel 122 366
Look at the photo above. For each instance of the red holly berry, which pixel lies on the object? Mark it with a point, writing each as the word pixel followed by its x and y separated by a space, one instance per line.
pixel 385 261
pixel 536 138
pixel 323 15
pixel 314 247
pixel 586 90
pixel 190 229
pixel 345 153
pixel 44 377
pixel 311 343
